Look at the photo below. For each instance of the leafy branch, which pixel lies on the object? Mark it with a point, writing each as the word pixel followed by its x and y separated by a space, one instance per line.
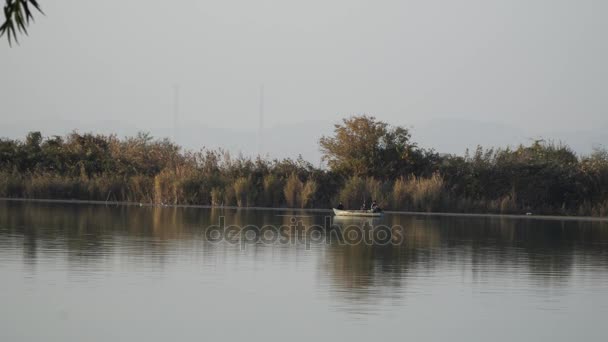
pixel 17 16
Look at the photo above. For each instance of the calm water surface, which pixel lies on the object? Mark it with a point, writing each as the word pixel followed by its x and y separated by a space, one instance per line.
pixel 76 272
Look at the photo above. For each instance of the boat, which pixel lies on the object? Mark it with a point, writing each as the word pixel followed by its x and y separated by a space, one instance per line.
pixel 362 213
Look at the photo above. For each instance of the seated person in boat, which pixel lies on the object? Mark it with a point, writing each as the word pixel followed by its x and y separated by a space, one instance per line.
pixel 340 206
pixel 375 208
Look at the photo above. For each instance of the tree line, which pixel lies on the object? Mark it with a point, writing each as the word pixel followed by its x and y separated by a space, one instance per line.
pixel 366 159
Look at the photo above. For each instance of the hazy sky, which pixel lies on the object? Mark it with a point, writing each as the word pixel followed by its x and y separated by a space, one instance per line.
pixel 537 65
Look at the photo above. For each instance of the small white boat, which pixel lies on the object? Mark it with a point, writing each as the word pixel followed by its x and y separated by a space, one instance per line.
pixel 364 213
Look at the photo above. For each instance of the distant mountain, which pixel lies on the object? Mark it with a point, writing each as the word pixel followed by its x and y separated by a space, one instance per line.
pixel 278 141
pixel 455 136
pixel 583 141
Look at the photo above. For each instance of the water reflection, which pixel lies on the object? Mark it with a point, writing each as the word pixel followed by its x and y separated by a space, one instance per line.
pixel 483 249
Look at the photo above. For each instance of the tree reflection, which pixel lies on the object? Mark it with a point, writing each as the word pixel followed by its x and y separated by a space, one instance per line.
pixel 481 249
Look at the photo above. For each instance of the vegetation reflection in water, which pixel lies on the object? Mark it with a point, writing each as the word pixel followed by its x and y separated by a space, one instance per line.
pixel 484 246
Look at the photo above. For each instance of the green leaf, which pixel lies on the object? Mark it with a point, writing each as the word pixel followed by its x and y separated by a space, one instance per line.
pixel 17 13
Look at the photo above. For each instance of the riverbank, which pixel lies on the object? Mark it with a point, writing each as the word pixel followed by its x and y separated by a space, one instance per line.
pixel 542 179
pixel 311 210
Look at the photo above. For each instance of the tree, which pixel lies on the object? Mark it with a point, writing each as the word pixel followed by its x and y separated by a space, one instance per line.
pixel 17 16
pixel 363 146
pixel 355 146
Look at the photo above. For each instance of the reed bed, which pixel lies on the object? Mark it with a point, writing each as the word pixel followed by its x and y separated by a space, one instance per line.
pixel 541 179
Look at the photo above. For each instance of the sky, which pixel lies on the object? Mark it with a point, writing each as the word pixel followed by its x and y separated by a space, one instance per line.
pixel 457 73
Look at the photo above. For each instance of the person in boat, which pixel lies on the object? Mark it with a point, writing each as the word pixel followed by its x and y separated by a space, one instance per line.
pixel 375 208
pixel 340 206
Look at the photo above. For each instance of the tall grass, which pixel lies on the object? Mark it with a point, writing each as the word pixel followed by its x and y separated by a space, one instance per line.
pixel 418 194
pixel 11 185
pixel 542 179
pixel 508 203
pixel 292 191
pixel 217 196
pixel 52 186
pixel 141 189
pixel 229 196
pixel 243 192
pixel 164 187
pixel 358 190
pixel 175 186
pixel 353 193
pixel 309 192
pixel 594 209
pixel 272 191
pixel 378 191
